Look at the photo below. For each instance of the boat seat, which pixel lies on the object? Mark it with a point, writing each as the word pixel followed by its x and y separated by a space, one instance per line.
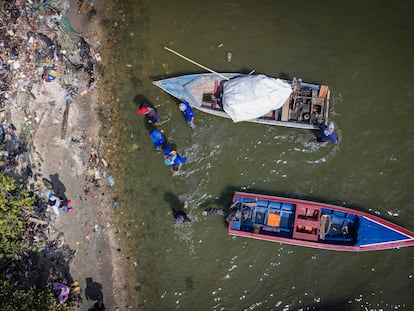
pixel 339 213
pixel 274 211
pixel 326 211
pixel 275 205
pixel 337 220
pixel 260 218
pixel 285 219
pixel 245 200
pixel 262 203
pixel 235 225
pixel 352 217
pixel 288 206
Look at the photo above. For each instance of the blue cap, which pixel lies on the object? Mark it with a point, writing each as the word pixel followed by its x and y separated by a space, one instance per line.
pixel 168 161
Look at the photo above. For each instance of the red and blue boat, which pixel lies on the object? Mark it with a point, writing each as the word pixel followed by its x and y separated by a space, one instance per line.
pixel 312 224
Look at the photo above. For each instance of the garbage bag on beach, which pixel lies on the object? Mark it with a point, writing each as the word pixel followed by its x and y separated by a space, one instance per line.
pixel 84 49
pixel 62 291
pixel 12 9
pixel 49 73
pixel 50 49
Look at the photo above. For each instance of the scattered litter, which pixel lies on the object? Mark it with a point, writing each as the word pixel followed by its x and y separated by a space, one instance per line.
pixel 97 230
pixel 16 65
pixel 111 180
pixel 41 47
pixel 105 164
pixel 229 56
pixel 49 73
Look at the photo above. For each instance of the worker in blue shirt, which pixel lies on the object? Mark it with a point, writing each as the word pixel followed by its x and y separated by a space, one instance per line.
pixel 187 109
pixel 327 133
pixel 157 138
pixel 171 157
pixel 180 216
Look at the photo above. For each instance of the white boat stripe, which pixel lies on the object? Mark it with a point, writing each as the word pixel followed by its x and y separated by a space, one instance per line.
pixel 392 242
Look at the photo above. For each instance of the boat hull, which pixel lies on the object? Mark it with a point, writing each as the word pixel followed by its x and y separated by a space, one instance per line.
pixel 313 224
pixel 307 104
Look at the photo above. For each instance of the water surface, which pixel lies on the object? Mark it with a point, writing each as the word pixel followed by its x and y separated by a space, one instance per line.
pixel 364 52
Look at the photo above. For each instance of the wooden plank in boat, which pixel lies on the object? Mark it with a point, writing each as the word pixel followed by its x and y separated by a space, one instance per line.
pixel 285 111
pixel 200 88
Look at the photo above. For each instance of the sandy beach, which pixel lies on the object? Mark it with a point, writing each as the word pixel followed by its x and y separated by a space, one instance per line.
pixel 69 155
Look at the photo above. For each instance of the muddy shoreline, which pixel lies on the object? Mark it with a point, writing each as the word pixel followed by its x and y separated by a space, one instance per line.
pixel 71 133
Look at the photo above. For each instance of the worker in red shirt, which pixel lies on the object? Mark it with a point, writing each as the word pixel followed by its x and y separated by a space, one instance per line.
pixel 149 111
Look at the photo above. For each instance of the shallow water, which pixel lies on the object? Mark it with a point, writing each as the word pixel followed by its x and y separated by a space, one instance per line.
pixel 364 52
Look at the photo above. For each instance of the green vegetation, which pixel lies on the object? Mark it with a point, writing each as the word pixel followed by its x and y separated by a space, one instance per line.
pixel 30 300
pixel 15 205
pixel 17 250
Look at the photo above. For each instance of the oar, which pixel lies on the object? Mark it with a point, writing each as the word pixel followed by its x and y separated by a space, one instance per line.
pixel 195 63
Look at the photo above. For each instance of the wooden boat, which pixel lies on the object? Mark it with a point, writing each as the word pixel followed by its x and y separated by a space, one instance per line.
pixel 312 224
pixel 295 104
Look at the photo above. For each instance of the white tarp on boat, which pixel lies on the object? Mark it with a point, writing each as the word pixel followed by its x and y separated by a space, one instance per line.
pixel 249 97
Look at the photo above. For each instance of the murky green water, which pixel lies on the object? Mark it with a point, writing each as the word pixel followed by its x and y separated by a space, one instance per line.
pixel 364 52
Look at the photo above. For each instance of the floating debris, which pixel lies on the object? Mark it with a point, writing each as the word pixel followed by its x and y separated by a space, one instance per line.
pixel 229 56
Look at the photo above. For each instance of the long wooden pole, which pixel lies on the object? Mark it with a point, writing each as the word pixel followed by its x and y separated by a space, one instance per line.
pixel 195 63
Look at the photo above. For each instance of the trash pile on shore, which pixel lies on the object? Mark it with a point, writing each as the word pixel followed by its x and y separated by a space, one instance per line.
pixel 38 46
